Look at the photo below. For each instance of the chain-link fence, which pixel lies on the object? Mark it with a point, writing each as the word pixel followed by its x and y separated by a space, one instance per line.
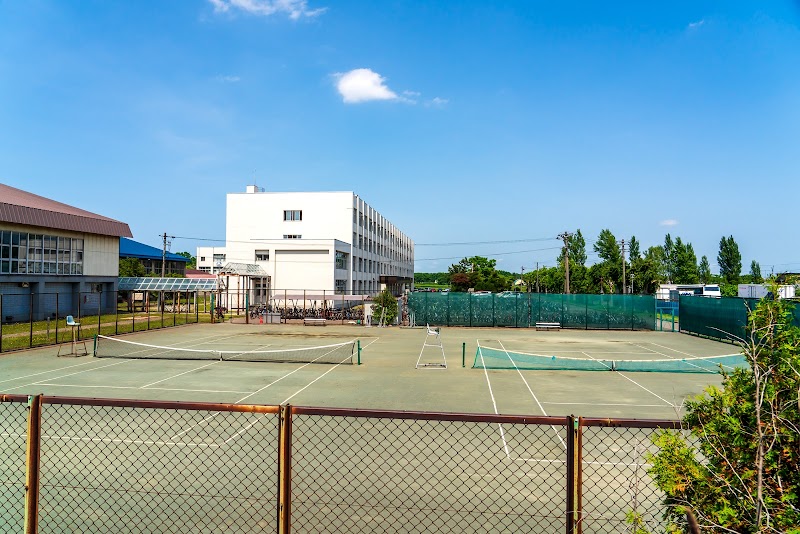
pixel 39 319
pixel 100 465
pixel 722 318
pixel 614 479
pixel 13 447
pixel 388 472
pixel 598 312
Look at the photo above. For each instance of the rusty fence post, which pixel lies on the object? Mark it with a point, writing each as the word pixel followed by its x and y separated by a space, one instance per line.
pixel 570 456
pixel 32 464
pixel 285 471
pixel 579 475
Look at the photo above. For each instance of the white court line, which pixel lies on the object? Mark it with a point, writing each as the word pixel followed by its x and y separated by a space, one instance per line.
pixel 494 403
pixel 653 351
pixel 681 352
pixel 46 383
pixel 179 374
pixel 136 441
pixel 133 387
pixel 672 358
pixel 50 371
pixel 605 404
pixel 560 438
pixel 246 427
pixel 625 464
pixel 206 419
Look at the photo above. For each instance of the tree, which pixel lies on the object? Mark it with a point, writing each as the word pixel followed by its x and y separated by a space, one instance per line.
pixel 634 248
pixel 729 260
pixel 192 263
pixel 740 472
pixel 132 267
pixel 684 263
pixel 460 281
pixel 704 270
pixel 607 247
pixel 480 274
pixel 648 271
pixel 669 254
pixel 577 251
pixel 755 272
pixel 608 273
pixel 385 303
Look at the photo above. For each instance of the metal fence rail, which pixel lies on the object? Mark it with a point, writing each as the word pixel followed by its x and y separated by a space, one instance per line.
pixel 101 465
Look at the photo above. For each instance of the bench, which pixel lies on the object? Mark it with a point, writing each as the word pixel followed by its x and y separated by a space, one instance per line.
pixel 314 321
pixel 548 326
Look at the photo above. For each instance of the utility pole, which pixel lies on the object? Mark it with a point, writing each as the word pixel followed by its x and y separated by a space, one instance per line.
pixel 164 254
pixel 565 237
pixel 623 266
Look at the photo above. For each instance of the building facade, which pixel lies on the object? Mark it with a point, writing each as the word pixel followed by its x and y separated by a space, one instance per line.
pixel 49 248
pixel 331 241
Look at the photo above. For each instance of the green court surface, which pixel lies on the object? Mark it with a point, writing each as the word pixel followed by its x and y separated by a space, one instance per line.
pixel 388 377
pixel 106 466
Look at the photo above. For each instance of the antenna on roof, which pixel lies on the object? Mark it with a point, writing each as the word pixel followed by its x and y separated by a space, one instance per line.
pixel 254 188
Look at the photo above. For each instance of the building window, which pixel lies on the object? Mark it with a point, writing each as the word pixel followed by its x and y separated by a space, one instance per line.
pixel 202 258
pixel 340 286
pixel 262 255
pixel 23 253
pixel 341 260
pixel 292 215
pixel 292 236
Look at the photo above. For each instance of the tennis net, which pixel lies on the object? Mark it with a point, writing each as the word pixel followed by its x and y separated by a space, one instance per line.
pixel 489 358
pixel 340 353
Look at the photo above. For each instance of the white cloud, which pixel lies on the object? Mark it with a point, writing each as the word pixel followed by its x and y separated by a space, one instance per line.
pixel 695 25
pixel 227 79
pixel 363 85
pixel 295 9
pixel 668 222
pixel 437 102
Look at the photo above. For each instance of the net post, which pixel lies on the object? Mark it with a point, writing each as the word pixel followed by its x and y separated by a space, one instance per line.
pixel 94 348
pixel 32 454
pixel 358 342
pixel 463 354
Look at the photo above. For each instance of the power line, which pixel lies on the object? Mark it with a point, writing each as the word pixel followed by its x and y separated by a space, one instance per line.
pixel 490 255
pixel 485 242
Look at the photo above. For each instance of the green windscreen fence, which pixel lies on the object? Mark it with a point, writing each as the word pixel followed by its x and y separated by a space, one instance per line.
pixel 723 318
pixel 489 358
pixel 591 312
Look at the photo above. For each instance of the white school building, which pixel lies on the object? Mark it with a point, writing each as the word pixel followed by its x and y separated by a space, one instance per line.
pixel 331 241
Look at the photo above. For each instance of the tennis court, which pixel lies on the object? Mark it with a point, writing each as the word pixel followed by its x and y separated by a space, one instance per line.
pixel 387 378
pixel 351 472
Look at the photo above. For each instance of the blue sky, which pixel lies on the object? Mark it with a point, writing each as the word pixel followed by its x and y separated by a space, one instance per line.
pixel 503 123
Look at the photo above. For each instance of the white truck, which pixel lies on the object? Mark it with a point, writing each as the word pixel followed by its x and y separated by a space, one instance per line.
pixel 759 291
